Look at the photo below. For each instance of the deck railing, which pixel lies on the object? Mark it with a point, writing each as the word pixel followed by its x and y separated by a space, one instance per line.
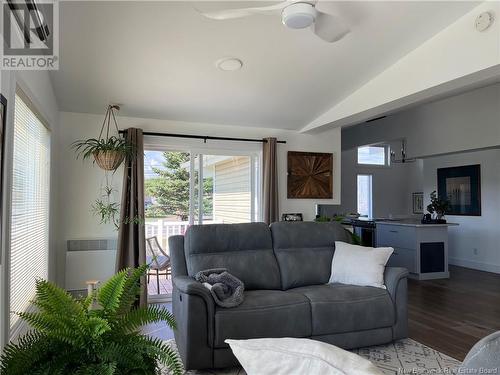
pixel 164 228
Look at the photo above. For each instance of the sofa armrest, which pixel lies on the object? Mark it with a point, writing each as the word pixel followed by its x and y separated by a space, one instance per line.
pixel 392 277
pixel 177 257
pixel 188 285
pixel 395 279
pixel 194 312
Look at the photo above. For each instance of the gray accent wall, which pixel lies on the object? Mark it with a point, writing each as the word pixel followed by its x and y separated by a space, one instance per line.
pixel 392 186
pixel 463 122
pixel 461 130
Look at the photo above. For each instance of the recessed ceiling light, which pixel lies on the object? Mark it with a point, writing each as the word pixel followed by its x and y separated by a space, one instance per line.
pixel 229 64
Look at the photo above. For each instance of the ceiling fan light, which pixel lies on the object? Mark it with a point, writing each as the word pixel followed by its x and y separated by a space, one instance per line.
pixel 298 15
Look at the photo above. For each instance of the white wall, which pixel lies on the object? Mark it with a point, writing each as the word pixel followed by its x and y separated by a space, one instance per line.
pixel 457 57
pixel 79 181
pixel 37 86
pixel 475 232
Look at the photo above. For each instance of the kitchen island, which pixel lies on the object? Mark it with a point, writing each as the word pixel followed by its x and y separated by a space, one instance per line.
pixel 421 248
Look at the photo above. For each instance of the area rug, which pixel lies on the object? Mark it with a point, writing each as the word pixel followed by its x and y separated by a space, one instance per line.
pixel 401 357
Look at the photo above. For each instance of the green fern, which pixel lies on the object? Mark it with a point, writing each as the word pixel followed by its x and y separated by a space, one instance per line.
pixel 109 294
pixel 132 288
pixel 69 337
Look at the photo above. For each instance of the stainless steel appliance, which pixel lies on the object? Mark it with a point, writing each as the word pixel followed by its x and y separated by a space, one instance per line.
pixel 365 229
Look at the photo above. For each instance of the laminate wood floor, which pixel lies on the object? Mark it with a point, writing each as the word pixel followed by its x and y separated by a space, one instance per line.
pixel 449 315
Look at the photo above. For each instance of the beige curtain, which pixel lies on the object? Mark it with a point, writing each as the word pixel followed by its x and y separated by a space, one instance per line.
pixel 131 235
pixel 270 180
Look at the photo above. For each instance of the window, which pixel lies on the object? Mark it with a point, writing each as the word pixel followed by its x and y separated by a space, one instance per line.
pixel 184 188
pixel 365 195
pixel 373 155
pixel 29 227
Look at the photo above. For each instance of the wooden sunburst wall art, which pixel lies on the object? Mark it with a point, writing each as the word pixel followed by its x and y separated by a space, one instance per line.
pixel 310 175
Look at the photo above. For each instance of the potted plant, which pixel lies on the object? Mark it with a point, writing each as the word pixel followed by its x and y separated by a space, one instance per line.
pixel 356 240
pixel 108 152
pixel 97 335
pixel 438 206
pixel 107 209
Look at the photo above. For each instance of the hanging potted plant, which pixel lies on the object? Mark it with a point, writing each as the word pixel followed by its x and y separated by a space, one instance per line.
pixel 108 152
pixel 106 208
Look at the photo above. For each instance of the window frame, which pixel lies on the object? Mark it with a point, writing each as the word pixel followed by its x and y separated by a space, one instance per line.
pixel 223 148
pixel 387 156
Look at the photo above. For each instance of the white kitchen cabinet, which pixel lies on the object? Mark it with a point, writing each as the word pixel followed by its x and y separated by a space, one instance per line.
pixel 421 248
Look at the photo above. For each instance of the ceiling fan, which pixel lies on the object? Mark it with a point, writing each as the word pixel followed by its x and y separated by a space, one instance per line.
pixel 295 15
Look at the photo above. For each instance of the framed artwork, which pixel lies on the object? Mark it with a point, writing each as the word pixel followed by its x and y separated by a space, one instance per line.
pixel 462 187
pixel 292 217
pixel 418 203
pixel 310 175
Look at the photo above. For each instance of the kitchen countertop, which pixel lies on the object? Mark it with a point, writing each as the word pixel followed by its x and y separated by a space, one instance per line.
pixel 412 223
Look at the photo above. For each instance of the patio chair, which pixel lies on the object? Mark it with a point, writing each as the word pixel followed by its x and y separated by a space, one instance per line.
pixel 158 260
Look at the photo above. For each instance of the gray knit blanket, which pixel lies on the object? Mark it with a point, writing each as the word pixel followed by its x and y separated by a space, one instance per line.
pixel 226 289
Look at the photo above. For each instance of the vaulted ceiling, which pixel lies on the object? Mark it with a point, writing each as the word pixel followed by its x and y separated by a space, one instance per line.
pixel 158 58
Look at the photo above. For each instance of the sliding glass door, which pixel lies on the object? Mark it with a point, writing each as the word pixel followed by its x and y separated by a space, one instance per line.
pixel 227 186
pixel 185 187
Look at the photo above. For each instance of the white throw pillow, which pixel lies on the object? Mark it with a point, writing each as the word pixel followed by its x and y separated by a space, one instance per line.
pixel 290 356
pixel 359 265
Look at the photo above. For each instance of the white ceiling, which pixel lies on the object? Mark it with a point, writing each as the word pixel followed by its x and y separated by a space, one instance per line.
pixel 157 59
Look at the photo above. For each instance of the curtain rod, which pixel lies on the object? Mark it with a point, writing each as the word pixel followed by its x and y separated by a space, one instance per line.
pixel 204 137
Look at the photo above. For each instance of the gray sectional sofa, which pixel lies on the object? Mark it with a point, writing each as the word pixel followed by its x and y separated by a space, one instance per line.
pixel 285 268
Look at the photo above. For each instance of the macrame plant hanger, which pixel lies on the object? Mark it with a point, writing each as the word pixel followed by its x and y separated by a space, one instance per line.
pixel 109 160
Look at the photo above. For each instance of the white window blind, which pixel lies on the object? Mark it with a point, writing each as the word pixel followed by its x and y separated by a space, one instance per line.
pixel 29 228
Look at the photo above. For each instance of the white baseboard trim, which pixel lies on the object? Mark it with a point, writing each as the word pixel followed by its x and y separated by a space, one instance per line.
pixel 495 268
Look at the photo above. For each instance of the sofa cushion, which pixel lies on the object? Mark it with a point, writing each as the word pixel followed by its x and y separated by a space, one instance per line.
pixel 338 308
pixel 298 356
pixel 304 251
pixel 359 265
pixel 244 249
pixel 264 313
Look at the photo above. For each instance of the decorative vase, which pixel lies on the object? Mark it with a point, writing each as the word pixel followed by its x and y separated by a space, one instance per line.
pixel 109 160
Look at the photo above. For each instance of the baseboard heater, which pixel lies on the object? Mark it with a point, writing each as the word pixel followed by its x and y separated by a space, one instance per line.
pixel 89 259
